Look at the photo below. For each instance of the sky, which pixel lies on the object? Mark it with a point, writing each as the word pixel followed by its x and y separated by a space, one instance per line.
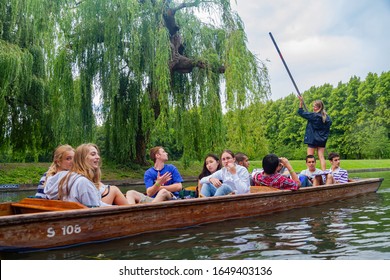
pixel 322 41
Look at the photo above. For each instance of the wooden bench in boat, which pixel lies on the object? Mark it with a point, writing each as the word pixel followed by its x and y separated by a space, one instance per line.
pixel 34 205
pixel 258 189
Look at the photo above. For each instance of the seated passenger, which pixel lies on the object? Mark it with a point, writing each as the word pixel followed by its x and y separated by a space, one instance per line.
pixel 81 183
pixel 243 160
pixel 270 177
pixel 283 170
pixel 313 176
pixel 113 195
pixel 339 175
pixel 232 178
pixel 135 197
pixel 162 177
pixel 211 164
pixel 62 160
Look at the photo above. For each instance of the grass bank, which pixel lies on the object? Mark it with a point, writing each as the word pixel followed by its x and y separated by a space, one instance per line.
pixel 30 173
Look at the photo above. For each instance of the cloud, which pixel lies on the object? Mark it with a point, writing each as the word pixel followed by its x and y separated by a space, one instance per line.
pixel 323 41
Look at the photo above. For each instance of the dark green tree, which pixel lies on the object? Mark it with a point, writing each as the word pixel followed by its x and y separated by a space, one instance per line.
pixel 159 71
pixel 145 70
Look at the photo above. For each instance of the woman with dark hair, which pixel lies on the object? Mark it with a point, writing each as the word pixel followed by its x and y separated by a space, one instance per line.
pixel 231 178
pixel 211 164
pixel 317 129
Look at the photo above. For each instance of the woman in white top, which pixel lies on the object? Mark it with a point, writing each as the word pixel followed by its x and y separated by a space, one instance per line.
pixel 62 160
pixel 232 178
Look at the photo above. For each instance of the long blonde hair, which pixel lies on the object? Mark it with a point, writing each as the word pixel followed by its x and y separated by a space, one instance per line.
pixel 82 167
pixel 320 105
pixel 58 155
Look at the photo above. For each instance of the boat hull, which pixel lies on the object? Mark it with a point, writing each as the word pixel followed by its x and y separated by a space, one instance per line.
pixel 73 227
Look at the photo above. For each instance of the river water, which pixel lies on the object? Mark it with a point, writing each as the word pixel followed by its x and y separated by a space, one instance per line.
pixel 357 228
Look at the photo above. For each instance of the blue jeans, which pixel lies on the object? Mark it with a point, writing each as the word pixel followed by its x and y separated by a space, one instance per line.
pixel 305 182
pixel 209 189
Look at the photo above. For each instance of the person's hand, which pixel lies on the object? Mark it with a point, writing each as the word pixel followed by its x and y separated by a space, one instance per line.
pixel 216 182
pixel 231 167
pixel 284 161
pixel 164 178
pixel 300 101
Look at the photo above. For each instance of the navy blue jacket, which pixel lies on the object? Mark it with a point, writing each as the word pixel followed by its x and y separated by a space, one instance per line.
pixel 317 132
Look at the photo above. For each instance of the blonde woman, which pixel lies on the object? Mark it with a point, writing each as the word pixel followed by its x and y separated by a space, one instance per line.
pixel 81 183
pixel 317 129
pixel 62 160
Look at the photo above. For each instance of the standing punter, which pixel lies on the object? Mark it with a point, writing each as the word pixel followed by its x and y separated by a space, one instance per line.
pixel 317 129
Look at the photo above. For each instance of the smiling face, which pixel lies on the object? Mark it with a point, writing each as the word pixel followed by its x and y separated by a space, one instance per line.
pixel 317 106
pixel 66 161
pixel 93 157
pixel 211 164
pixel 226 159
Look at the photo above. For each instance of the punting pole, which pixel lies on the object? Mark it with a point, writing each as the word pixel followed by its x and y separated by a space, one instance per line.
pixel 288 71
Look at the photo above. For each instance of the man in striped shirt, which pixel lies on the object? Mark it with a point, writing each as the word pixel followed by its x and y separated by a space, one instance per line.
pixel 339 175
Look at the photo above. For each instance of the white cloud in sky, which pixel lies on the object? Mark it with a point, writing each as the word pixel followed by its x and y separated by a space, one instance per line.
pixel 323 41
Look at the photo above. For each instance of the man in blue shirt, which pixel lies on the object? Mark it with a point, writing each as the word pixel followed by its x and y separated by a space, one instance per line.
pixel 161 175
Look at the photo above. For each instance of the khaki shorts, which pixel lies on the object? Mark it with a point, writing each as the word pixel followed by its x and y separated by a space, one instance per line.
pixel 145 198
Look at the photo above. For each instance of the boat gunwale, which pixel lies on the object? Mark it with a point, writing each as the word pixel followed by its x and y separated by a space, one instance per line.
pixel 101 211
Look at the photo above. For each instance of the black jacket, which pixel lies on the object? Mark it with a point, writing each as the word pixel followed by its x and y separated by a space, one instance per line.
pixel 317 132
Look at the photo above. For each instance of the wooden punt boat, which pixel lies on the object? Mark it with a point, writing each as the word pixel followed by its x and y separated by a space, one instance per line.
pixel 41 224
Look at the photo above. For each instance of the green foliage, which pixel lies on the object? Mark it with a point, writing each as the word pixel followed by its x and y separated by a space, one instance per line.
pixel 358 110
pixel 100 70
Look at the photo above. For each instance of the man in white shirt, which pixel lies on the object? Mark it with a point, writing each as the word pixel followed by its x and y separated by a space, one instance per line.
pixel 314 176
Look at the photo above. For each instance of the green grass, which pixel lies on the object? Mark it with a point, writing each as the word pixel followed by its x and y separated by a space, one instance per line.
pixel 300 165
pixel 30 173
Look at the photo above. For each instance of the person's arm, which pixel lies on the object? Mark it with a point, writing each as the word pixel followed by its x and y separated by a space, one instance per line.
pixel 157 185
pixel 176 181
pixel 343 176
pixel 41 187
pixel 175 187
pixel 207 179
pixel 86 193
pixel 300 101
pixel 294 175
pixel 256 176
pixel 241 180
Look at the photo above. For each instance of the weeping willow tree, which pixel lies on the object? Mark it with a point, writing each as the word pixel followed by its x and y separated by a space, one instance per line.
pixel 152 72
pixel 22 78
pixel 163 73
pixel 43 102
